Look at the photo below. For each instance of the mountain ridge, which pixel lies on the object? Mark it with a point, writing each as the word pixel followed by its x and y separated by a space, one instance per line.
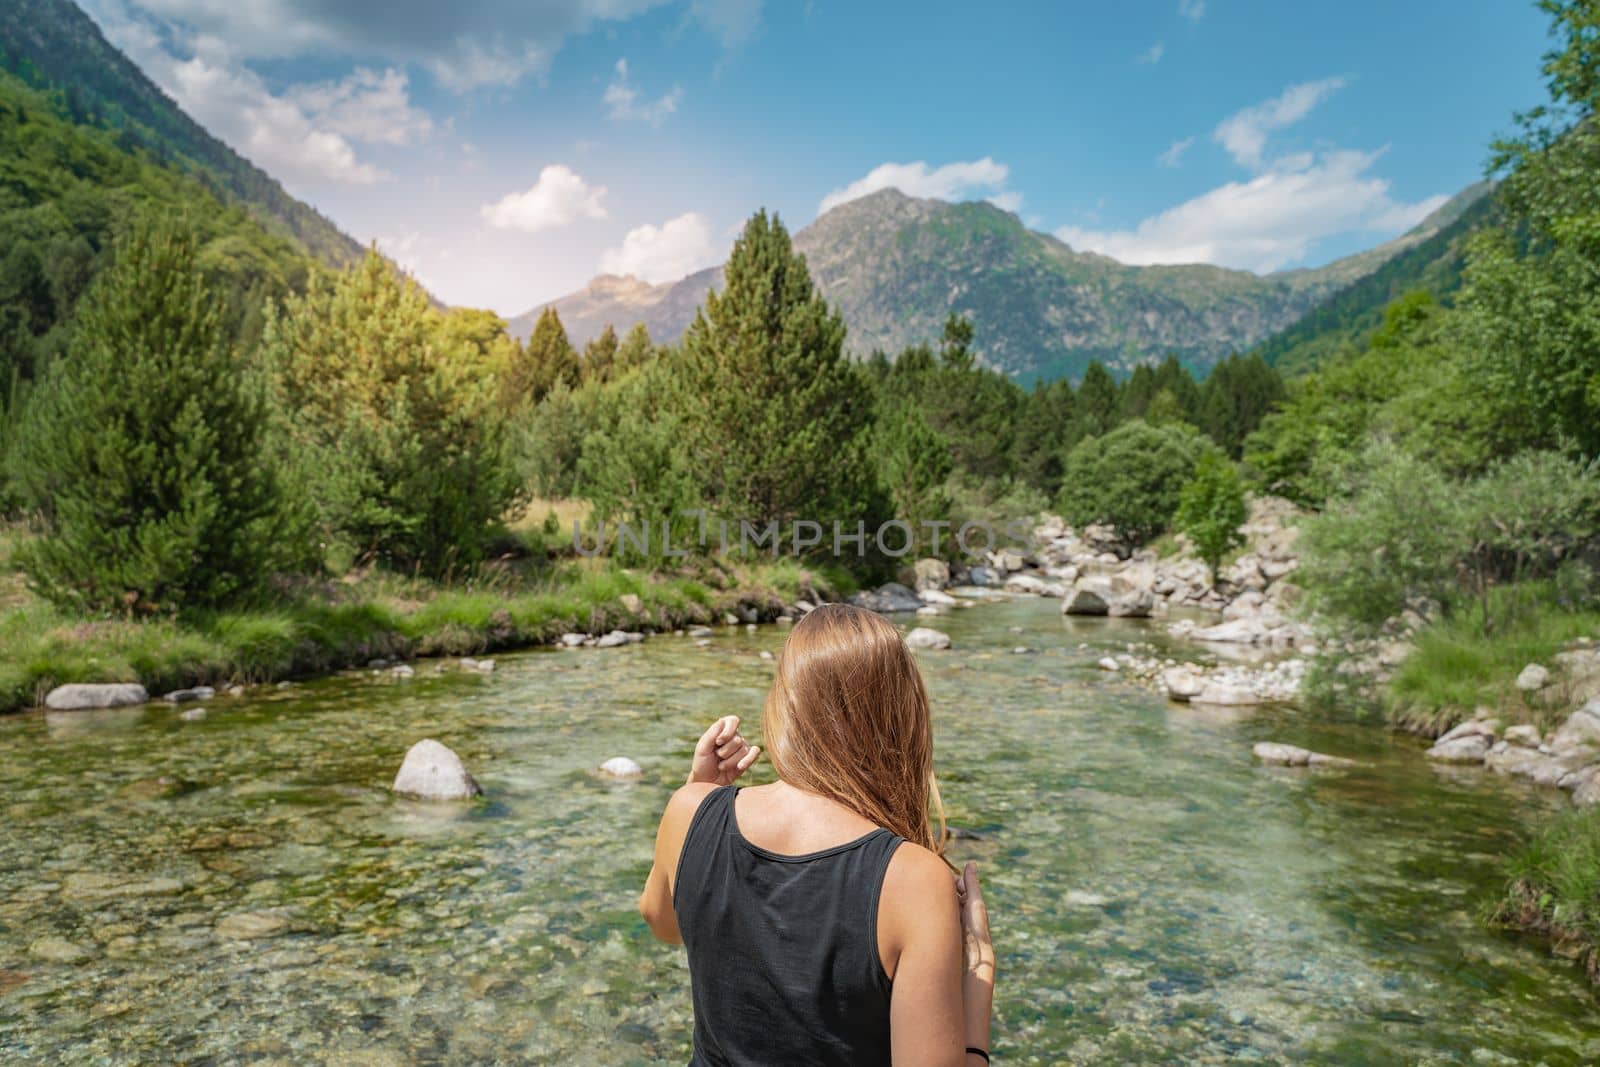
pixel 896 265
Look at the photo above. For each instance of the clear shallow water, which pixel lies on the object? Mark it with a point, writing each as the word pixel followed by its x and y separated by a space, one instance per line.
pixel 1157 896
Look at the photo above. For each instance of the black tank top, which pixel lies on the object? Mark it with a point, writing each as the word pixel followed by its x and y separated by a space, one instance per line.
pixel 783 950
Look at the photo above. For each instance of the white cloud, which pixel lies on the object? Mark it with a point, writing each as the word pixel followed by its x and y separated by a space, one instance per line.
pixel 676 248
pixel 1270 221
pixel 1193 10
pixel 560 197
pixel 366 106
pixel 1173 156
pixel 464 45
pixel 950 182
pixel 302 137
pixel 1244 133
pixel 623 100
pixel 1152 54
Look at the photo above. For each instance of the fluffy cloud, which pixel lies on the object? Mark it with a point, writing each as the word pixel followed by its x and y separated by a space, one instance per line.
pixel 560 197
pixel 1152 54
pixel 953 181
pixel 464 45
pixel 302 136
pixel 1174 153
pixel 1244 133
pixel 622 99
pixel 676 248
pixel 1268 222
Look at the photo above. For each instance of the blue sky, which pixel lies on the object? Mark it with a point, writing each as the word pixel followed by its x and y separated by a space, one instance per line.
pixel 506 151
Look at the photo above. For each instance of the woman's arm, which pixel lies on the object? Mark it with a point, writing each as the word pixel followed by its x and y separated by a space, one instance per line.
pixel 720 756
pixel 935 1012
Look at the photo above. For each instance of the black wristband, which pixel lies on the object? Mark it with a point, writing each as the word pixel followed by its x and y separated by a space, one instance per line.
pixel 978 1052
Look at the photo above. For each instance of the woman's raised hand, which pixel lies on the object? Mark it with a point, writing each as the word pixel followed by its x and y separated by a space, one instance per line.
pixel 722 754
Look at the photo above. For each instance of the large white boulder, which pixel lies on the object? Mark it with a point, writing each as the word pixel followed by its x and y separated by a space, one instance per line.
pixel 82 697
pixel 1534 676
pixel 621 767
pixel 925 637
pixel 432 772
pixel 930 573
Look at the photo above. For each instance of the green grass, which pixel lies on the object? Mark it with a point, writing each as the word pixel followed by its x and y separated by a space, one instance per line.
pixel 1553 887
pixel 1457 667
pixel 372 616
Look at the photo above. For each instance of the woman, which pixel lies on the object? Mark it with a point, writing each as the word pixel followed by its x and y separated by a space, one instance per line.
pixel 822 923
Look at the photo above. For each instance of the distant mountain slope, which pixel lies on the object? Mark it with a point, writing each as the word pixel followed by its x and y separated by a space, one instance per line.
pixel 896 266
pixel 53 44
pixel 1347 318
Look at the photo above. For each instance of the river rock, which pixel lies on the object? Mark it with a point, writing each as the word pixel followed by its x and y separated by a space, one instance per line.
pixel 619 637
pixel 1581 730
pixel 1227 695
pixel 929 574
pixel 1587 792
pixel 700 632
pixel 1182 683
pixel 1108 664
pixel 925 637
pixel 986 577
pixel 432 772
pixel 939 598
pixel 888 598
pixel 83 696
pixel 1534 676
pixel 59 950
pixel 1524 734
pixel 621 767
pixel 1472 728
pixel 573 640
pixel 183 696
pixel 1294 756
pixel 1025 583
pixel 1468 748
pixel 252 925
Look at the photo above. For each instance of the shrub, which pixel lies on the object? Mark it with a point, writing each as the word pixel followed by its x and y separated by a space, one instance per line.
pixel 1212 507
pixel 143 451
pixel 1131 477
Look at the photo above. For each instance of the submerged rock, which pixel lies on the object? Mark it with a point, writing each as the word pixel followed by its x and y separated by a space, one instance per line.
pixel 84 696
pixel 432 772
pixel 1224 694
pixel 251 925
pixel 1108 664
pixel 59 950
pixel 1182 683
pixel 621 767
pixel 183 696
pixel 887 598
pixel 573 640
pixel 1294 756
pixel 1467 748
pixel 925 637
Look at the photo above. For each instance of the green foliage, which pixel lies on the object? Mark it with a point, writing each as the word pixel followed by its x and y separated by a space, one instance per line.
pixel 776 418
pixel 913 462
pixel 143 452
pixel 1044 423
pixel 1553 884
pixel 1131 478
pixel 1235 397
pixel 1406 534
pixel 547 362
pixel 394 424
pixel 1212 507
pixel 1097 404
pixel 600 357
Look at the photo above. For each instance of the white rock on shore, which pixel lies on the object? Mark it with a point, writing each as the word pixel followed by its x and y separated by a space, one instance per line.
pixel 85 696
pixel 432 772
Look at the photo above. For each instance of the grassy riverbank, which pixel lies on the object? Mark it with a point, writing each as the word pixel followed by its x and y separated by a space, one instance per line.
pixel 1554 888
pixel 346 623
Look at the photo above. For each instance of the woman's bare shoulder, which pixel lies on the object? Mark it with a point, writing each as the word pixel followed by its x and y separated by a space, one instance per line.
pixel 917 878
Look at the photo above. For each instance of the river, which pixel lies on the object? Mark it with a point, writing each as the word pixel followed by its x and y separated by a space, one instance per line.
pixel 1156 895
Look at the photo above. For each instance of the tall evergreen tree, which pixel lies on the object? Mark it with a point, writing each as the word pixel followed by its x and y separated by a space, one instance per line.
pixel 144 451
pixel 1097 403
pixel 600 357
pixel 635 350
pixel 1236 396
pixel 547 358
pixel 773 410
pixel 1042 431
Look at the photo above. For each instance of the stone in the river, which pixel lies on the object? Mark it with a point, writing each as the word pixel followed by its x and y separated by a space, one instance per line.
pixel 930 574
pixel 699 631
pixel 1467 748
pixel 1533 677
pixel 1108 664
pixel 82 696
pixel 432 772
pixel 1182 683
pixel 887 598
pixel 621 767
pixel 403 670
pixel 939 598
pixel 1294 756
pixel 1524 734
pixel 486 666
pixel 192 714
pixel 1025 583
pixel 766 654
pixel 250 925
pixel 1471 728
pixel 573 640
pixel 183 696
pixel 983 576
pixel 929 610
pixel 1222 693
pixel 59 950
pixel 925 637
pixel 612 640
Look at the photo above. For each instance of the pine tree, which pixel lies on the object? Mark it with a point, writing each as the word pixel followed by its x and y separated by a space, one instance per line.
pixel 1042 430
pixel 144 451
pixel 636 349
pixel 774 413
pixel 600 357
pixel 1097 409
pixel 546 359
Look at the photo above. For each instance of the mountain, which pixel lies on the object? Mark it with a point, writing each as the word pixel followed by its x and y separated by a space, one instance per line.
pixel 897 265
pixel 52 45
pixel 1348 318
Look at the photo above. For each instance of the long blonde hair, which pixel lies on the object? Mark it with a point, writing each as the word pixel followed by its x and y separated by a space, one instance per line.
pixel 847 718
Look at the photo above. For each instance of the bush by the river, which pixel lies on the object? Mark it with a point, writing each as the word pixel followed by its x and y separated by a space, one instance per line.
pixel 1131 477
pixel 1553 887
pixel 143 455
